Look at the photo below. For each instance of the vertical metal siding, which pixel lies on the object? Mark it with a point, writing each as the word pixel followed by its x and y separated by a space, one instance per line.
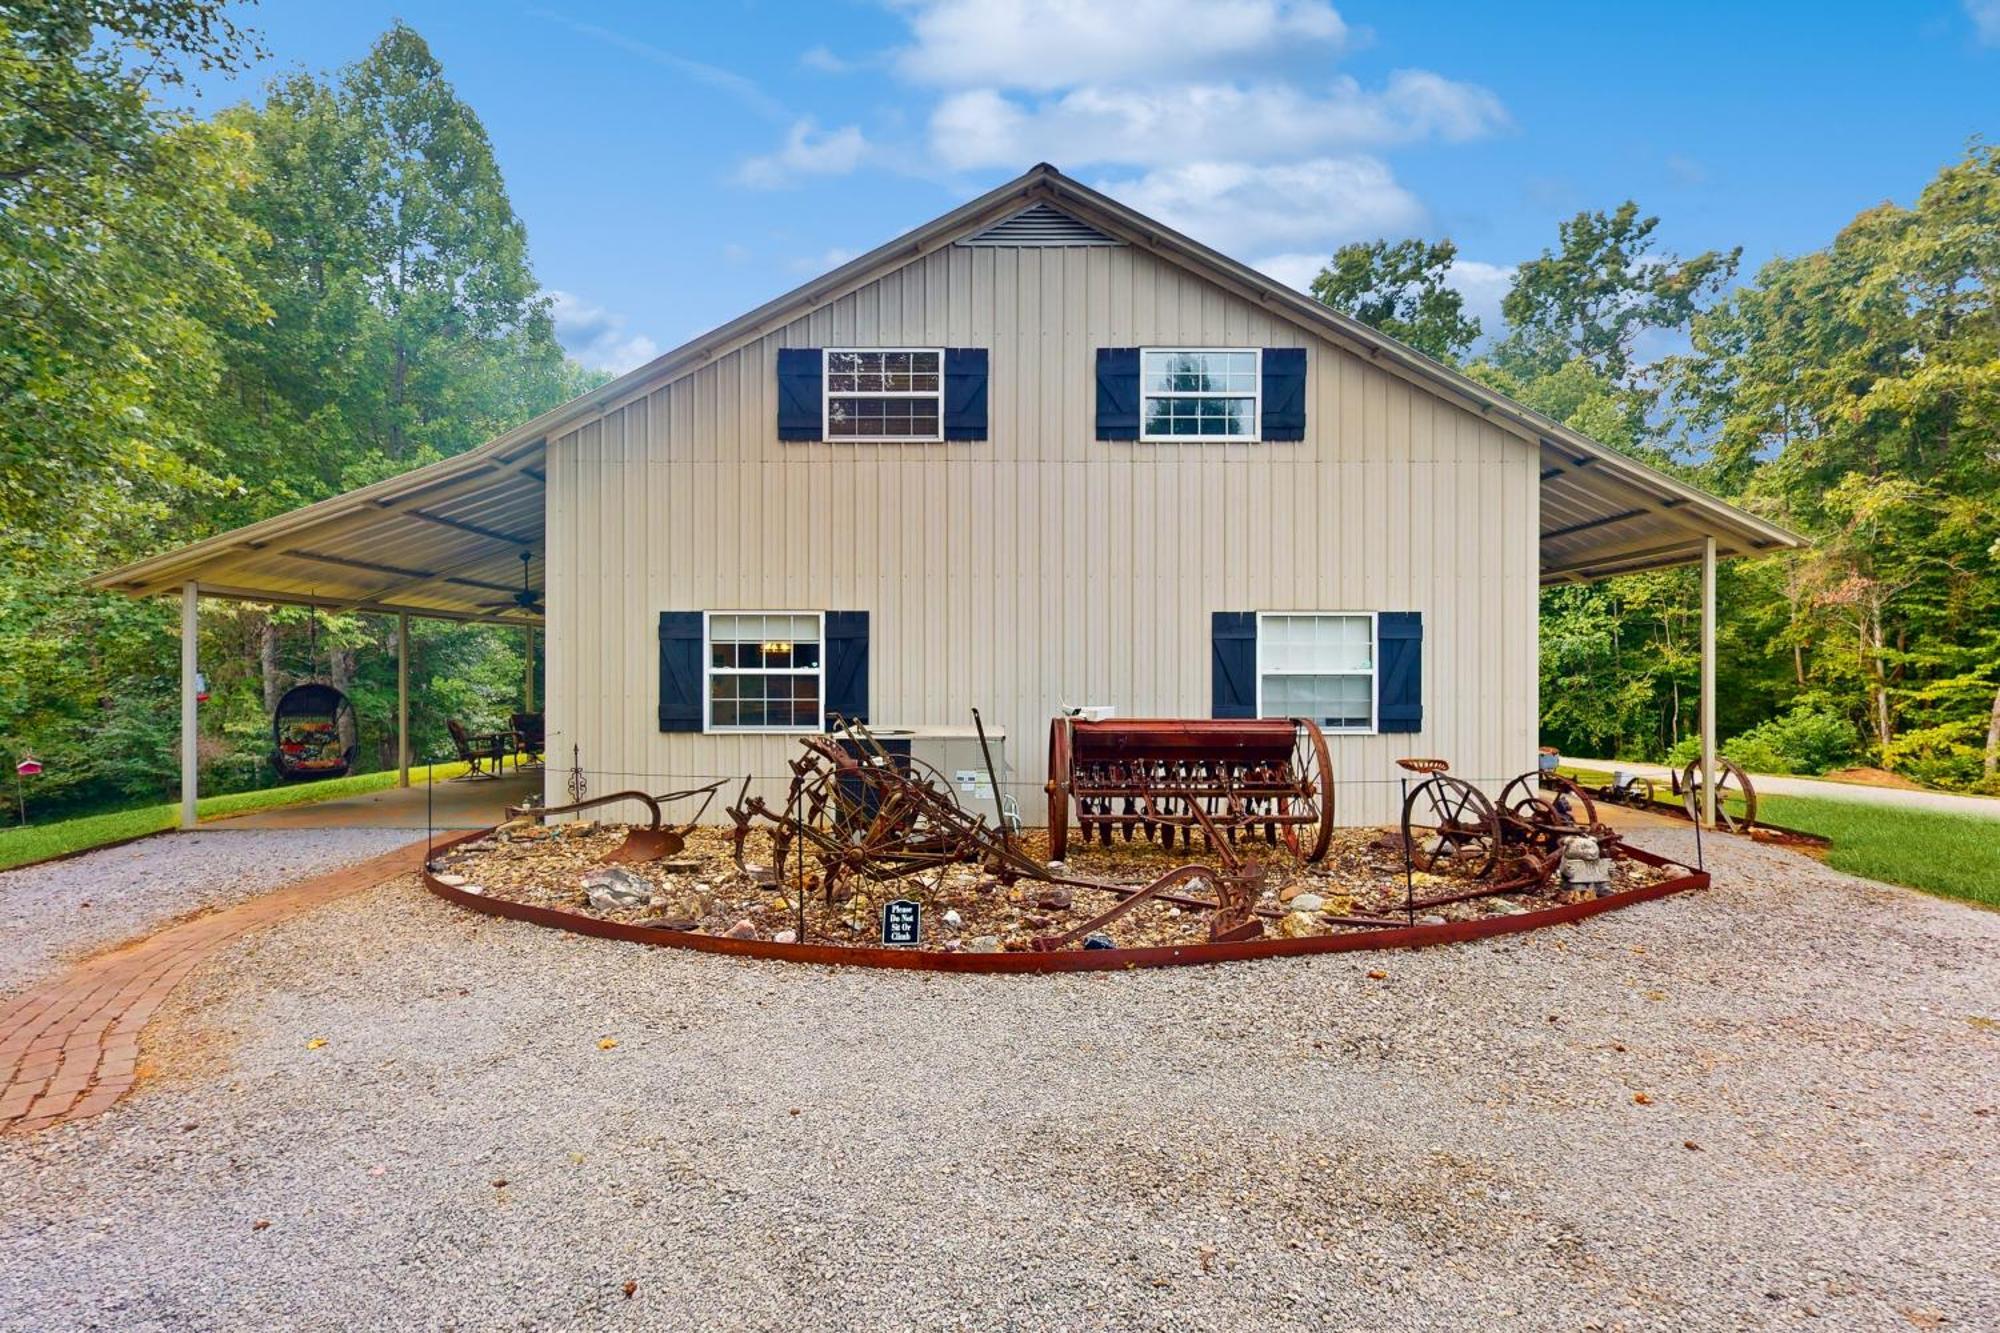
pixel 1039 566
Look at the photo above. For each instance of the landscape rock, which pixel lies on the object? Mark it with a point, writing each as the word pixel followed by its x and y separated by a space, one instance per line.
pixel 743 930
pixel 1298 926
pixel 1055 898
pixel 953 919
pixel 785 937
pixel 1307 902
pixel 1097 939
pixel 609 887
pixel 984 944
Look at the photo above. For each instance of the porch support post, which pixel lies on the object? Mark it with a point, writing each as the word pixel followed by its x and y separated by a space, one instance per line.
pixel 528 680
pixel 1708 682
pixel 402 698
pixel 190 723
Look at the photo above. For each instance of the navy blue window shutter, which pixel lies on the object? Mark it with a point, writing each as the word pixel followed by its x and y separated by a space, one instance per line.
pixel 1233 670
pixel 965 393
pixel 846 666
pixel 1118 393
pixel 680 671
pixel 1400 690
pixel 800 375
pixel 1284 394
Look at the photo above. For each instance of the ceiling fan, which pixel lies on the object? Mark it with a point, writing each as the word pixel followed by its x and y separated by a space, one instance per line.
pixel 527 599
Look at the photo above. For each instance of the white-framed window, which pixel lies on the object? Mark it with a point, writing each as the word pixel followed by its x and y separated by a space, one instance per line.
pixel 766 670
pixel 884 393
pixel 1200 393
pixel 1317 664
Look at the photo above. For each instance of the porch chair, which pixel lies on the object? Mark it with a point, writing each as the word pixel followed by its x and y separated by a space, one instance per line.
pixel 482 755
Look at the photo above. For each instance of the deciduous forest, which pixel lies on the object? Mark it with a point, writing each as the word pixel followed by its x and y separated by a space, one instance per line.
pixel 213 318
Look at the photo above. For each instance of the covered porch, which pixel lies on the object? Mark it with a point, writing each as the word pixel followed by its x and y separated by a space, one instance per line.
pixel 448 542
pixel 460 540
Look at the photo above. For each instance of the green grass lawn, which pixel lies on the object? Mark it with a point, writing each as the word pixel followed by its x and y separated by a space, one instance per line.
pixel 38 842
pixel 1953 856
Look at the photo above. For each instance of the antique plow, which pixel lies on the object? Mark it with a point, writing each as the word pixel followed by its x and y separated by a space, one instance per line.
pixel 861 812
pixel 1168 778
pixel 651 843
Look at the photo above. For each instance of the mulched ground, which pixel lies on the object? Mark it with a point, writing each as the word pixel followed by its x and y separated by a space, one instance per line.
pixel 965 907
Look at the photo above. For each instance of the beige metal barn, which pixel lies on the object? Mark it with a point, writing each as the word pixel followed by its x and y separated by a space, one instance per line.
pixel 1040 452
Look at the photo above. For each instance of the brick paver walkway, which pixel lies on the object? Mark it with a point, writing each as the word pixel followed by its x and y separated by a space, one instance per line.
pixel 69 1048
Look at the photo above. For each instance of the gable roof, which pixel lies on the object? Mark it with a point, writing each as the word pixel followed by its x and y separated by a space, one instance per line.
pixel 1601 512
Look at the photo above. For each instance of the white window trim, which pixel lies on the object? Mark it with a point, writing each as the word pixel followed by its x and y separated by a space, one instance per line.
pixel 1373 673
pixel 1256 434
pixel 827 395
pixel 709 671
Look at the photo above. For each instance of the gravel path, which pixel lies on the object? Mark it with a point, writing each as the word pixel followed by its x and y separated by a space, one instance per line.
pixel 143 885
pixel 1291 1144
pixel 1854 793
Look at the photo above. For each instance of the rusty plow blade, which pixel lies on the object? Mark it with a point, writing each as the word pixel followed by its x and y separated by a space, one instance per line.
pixel 647 844
pixel 641 845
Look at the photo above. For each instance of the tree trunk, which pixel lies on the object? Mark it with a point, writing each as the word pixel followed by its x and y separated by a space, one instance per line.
pixel 1992 765
pixel 399 381
pixel 267 663
pixel 1878 684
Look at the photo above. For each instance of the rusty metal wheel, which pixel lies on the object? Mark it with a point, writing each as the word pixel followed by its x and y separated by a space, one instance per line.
pixel 1058 788
pixel 1312 769
pixel 1731 782
pixel 1450 828
pixel 1569 801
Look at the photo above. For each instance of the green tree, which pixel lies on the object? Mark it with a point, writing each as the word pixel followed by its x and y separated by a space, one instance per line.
pixel 1400 288
pixel 1603 285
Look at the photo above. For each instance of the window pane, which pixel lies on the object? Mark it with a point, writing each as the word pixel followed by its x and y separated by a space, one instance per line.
pixel 1339 701
pixel 722 714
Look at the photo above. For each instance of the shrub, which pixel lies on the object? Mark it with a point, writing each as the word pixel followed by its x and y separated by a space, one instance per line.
pixel 1809 739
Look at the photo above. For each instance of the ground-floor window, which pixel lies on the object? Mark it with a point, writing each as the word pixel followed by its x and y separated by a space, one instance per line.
pixel 1319 665
pixel 765 670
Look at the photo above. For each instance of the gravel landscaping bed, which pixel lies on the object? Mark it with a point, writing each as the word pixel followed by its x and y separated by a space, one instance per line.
pixel 52 913
pixel 1770 1105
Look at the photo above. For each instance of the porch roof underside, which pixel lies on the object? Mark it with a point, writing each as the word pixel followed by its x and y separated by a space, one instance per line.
pixel 445 542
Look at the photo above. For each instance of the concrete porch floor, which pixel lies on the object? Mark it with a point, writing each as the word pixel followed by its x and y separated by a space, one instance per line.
pixel 454 804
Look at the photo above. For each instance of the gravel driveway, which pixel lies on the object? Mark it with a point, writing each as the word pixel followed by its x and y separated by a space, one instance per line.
pixel 1768 1106
pixel 52 913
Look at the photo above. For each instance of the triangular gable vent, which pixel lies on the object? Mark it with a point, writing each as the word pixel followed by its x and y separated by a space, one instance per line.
pixel 1040 224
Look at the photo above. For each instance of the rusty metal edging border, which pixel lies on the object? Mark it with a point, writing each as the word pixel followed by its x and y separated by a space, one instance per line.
pixel 1079 960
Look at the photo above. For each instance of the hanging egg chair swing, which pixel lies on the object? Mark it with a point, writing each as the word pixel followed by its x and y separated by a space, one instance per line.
pixel 313 731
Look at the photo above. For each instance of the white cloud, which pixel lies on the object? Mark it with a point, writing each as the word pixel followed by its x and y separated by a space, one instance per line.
pixel 826 62
pixel 1294 270
pixel 824 262
pixel 1483 286
pixel 1206 122
pixel 597 337
pixel 1985 16
pixel 807 151
pixel 1043 45
pixel 1283 208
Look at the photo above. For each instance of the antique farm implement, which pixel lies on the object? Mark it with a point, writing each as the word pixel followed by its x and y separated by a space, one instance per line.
pixel 1541 822
pixel 859 811
pixel 1170 778
pixel 654 842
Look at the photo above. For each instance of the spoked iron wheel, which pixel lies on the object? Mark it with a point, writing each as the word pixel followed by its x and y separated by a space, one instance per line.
pixel 1451 828
pixel 1558 800
pixel 1730 782
pixel 1059 790
pixel 1312 770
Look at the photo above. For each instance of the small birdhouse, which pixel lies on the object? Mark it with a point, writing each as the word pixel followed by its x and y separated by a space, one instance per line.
pixel 28 767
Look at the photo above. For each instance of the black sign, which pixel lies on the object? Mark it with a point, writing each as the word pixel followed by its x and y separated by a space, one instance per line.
pixel 902 921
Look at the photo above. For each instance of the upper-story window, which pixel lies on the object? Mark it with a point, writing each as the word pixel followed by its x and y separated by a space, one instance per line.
pixel 889 393
pixel 1199 393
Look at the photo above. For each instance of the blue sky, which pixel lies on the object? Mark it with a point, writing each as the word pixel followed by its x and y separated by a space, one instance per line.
pixel 678 164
